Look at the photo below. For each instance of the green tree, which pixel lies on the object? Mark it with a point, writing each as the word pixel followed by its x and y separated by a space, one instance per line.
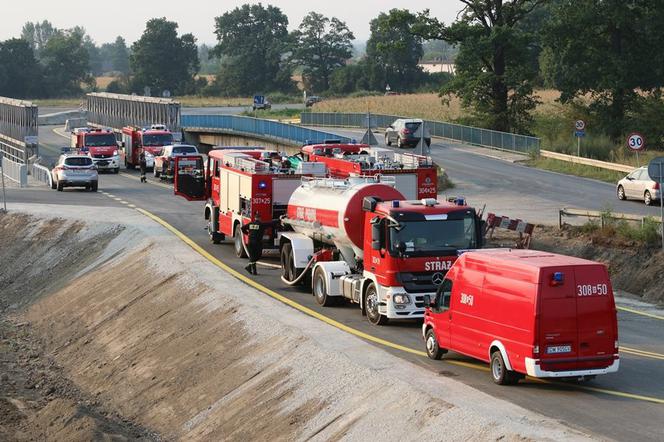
pixel 253 41
pixel 394 51
pixel 20 73
pixel 610 50
pixel 321 45
pixel 37 35
pixel 162 61
pixel 66 64
pixel 210 63
pixel 119 56
pixel 494 69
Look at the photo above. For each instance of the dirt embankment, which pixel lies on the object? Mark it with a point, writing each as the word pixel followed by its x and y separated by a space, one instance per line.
pixel 156 338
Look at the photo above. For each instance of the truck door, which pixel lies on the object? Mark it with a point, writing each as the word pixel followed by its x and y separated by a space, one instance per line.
pixel 189 178
pixel 597 324
pixel 558 328
pixel 443 314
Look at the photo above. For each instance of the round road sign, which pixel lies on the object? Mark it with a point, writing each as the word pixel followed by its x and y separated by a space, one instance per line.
pixel 579 125
pixel 635 141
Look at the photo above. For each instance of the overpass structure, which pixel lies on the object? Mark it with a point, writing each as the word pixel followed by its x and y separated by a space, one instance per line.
pixel 18 129
pixel 118 110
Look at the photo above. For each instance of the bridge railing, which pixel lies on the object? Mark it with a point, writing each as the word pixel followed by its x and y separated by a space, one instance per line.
pixel 261 128
pixel 41 173
pixel 119 110
pixel 18 129
pixel 14 170
pixel 457 132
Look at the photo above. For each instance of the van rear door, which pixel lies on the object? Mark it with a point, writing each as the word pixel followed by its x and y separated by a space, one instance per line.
pixel 597 323
pixel 558 329
pixel 189 178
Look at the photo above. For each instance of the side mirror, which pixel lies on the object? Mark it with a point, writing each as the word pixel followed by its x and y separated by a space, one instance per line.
pixel 629 178
pixel 376 236
pixel 427 300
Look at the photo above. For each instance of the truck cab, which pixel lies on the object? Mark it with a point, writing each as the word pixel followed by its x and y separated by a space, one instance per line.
pixel 100 145
pixel 151 139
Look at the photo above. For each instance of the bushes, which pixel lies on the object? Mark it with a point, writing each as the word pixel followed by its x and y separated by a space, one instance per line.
pixel 609 228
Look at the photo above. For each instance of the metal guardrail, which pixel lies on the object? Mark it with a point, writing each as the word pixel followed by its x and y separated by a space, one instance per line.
pixel 15 171
pixel 41 174
pixel 118 111
pixel 602 216
pixel 261 128
pixel 457 132
pixel 587 161
pixel 18 129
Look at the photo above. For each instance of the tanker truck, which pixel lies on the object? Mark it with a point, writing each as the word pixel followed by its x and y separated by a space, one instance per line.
pixel 359 239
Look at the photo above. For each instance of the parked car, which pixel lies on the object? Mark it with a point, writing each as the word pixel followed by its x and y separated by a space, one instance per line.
pixel 310 101
pixel 163 164
pixel 261 103
pixel 74 170
pixel 404 133
pixel 639 186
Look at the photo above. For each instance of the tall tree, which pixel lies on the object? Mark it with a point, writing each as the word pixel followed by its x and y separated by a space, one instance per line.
pixel 494 73
pixel 253 40
pixel 321 45
pixel 611 49
pixel 394 51
pixel 119 56
pixel 162 61
pixel 20 73
pixel 66 64
pixel 37 35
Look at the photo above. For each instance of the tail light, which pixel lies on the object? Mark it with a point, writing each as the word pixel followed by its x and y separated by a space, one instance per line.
pixel 656 186
pixel 405 132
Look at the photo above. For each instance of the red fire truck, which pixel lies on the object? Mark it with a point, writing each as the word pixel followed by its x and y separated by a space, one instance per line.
pixel 152 139
pixel 100 145
pixel 415 175
pixel 359 239
pixel 238 184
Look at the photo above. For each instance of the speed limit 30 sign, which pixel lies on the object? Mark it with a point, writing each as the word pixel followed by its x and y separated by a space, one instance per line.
pixel 635 141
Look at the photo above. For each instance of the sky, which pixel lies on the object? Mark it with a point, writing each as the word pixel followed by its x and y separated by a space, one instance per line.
pixel 109 19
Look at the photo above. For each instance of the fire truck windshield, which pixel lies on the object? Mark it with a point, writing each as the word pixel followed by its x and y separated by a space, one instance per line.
pixel 100 140
pixel 434 237
pixel 157 139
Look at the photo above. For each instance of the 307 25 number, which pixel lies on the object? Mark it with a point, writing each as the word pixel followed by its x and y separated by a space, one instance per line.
pixel 592 290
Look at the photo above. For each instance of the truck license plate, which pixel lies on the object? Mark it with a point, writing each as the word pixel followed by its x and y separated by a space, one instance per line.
pixel 557 349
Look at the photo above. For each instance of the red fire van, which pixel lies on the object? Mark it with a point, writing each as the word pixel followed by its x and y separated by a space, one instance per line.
pixel 526 313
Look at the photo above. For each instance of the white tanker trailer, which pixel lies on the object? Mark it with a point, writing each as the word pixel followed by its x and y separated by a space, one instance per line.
pixel 359 239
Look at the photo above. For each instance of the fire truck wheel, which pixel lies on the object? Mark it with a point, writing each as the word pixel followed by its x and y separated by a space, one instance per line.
pixel 499 372
pixel 320 290
pixel 285 256
pixel 433 349
pixel 371 306
pixel 239 248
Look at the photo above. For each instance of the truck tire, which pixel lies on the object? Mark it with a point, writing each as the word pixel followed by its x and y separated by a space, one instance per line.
pixel 286 259
pixel 238 242
pixel 499 372
pixel 433 349
pixel 319 289
pixel 215 237
pixel 371 306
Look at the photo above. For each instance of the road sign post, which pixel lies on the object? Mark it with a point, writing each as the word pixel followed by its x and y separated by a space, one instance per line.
pixel 579 132
pixel 636 142
pixel 656 173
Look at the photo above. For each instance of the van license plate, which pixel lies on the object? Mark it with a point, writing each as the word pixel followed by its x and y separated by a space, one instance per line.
pixel 557 349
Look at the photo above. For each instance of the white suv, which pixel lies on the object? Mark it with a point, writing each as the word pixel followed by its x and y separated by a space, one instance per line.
pixel 74 171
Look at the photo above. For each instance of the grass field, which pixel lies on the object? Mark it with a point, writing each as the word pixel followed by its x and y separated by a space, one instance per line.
pixel 609 176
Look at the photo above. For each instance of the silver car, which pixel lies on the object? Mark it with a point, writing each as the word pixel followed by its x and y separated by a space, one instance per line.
pixel 639 186
pixel 74 170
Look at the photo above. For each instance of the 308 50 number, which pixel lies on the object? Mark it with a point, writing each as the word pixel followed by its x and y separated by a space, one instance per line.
pixel 592 290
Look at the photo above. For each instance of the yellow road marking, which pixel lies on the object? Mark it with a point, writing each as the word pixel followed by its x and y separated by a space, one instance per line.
pixel 351 330
pixel 643 353
pixel 639 312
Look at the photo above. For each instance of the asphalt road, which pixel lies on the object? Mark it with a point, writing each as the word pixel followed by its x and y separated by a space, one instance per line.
pixel 516 190
pixel 606 414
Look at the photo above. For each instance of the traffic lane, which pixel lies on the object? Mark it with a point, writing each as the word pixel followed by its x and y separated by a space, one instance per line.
pixel 524 189
pixel 591 410
pixel 50 144
pixel 636 331
pixel 74 196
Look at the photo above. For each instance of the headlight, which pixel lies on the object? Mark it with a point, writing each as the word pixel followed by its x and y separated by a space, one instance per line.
pixel 115 153
pixel 401 299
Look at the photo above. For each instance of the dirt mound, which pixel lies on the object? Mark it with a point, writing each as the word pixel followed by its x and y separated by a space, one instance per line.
pixel 169 342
